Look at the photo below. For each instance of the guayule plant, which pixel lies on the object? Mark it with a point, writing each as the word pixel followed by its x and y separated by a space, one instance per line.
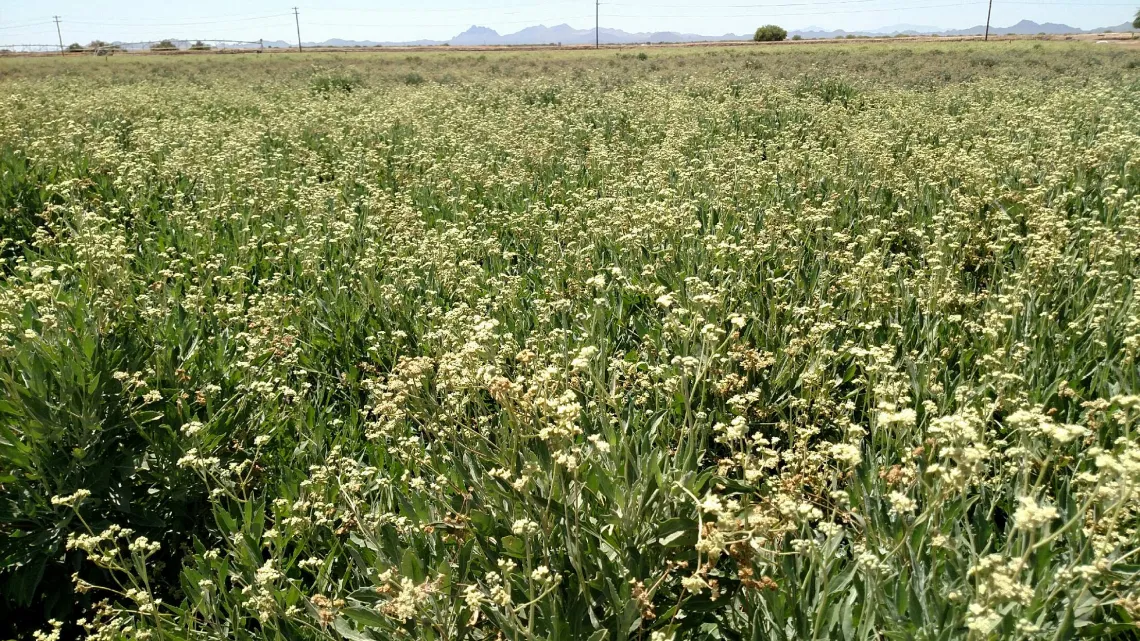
pixel 820 344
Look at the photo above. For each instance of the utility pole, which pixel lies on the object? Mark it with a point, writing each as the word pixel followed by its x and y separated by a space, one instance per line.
pixel 597 24
pixel 297 19
pixel 988 14
pixel 58 33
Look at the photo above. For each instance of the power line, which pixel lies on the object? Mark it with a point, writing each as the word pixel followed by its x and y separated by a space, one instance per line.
pixel 843 2
pixel 446 10
pixel 25 26
pixel 453 24
pixel 501 13
pixel 179 24
pixel 803 13
pixel 297 19
pixel 58 33
pixel 45 34
pixel 739 6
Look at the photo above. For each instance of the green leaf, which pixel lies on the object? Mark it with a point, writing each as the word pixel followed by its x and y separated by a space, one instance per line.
pixel 365 616
pixel 599 635
pixel 342 626
pixel 410 566
pixel 513 546
pixel 677 532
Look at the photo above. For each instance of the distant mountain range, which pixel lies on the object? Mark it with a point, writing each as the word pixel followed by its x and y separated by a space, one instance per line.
pixel 567 35
pixel 537 35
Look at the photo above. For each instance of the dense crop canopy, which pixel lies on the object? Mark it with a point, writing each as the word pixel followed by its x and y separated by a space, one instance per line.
pixel 328 353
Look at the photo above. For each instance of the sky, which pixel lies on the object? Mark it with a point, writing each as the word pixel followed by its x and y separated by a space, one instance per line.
pixel 30 21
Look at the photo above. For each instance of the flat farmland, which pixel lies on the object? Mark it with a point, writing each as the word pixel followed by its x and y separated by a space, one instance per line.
pixel 801 342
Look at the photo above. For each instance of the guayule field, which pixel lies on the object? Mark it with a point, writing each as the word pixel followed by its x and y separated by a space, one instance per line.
pixel 800 342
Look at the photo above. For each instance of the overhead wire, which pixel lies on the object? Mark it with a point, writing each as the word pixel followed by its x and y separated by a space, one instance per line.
pixel 459 24
pixel 443 10
pixel 818 3
pixel 807 13
pixel 25 26
pixel 178 24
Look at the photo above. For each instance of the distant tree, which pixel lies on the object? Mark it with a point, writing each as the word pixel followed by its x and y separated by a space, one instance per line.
pixel 770 33
pixel 199 46
pixel 797 37
pixel 1136 21
pixel 75 46
pixel 164 45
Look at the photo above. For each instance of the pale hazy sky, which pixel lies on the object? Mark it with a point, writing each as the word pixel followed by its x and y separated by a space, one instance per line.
pixel 30 22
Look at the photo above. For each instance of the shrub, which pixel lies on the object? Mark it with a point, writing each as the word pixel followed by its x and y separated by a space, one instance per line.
pixel 164 45
pixel 412 79
pixel 770 33
pixel 828 89
pixel 797 37
pixel 326 82
pixel 200 46
pixel 543 97
pixel 75 46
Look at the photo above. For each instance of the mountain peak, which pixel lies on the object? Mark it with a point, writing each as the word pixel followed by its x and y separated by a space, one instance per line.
pixel 476 30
